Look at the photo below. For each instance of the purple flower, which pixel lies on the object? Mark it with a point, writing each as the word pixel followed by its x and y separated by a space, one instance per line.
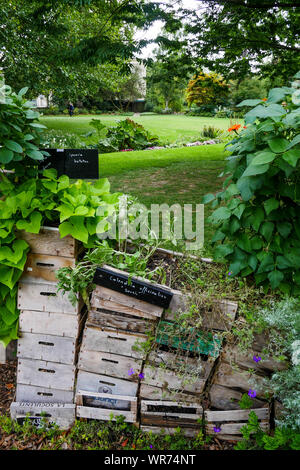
pixel 131 371
pixel 256 358
pixel 151 446
pixel 230 273
pixel 141 376
pixel 252 393
pixel 217 429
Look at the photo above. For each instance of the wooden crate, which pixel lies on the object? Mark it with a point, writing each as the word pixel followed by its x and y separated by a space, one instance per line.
pixel 44 297
pixel 233 355
pixel 50 323
pixel 49 242
pixel 228 376
pixel 170 380
pixel 170 413
pixel 109 299
pixel 103 384
pixel 113 341
pixel 224 398
pixel 112 365
pixel 110 319
pixel 60 413
pixel 47 348
pixel 187 432
pixel 101 406
pixel 39 268
pixel 31 393
pixel 230 422
pixel 9 353
pixel 46 374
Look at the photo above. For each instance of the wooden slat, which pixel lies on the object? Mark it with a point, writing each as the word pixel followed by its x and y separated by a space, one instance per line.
pixel 61 414
pixel 229 377
pixel 105 318
pixel 44 267
pixel 224 398
pixel 31 393
pixel 187 432
pixel 113 341
pixel 48 242
pixel 235 415
pixel 46 374
pixel 104 415
pixel 170 380
pixel 45 298
pixel 104 384
pixel 233 355
pixel 158 393
pixel 47 348
pixel 50 323
pixel 232 429
pixel 107 404
pixel 170 413
pixel 112 365
pixel 102 297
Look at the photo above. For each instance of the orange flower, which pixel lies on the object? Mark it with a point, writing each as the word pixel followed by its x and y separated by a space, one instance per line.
pixel 264 99
pixel 235 127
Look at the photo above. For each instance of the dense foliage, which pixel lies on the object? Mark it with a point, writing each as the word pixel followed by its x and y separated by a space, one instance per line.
pixel 31 197
pixel 259 220
pixel 125 135
pixel 206 88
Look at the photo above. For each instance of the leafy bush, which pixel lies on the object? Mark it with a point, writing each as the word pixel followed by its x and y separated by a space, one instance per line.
pixel 211 132
pixel 259 218
pixel 126 134
pixel 60 139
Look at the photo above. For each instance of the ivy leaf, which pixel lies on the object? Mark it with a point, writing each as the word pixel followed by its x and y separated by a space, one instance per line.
pixel 278 144
pixel 6 155
pixel 32 226
pixel 275 278
pixel 292 157
pixel 270 205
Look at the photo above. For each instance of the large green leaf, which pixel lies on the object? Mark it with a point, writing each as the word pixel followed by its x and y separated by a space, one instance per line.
pixel 31 226
pixel 292 157
pixel 253 170
pixel 295 141
pixel 222 213
pixel 253 102
pixel 6 155
pixel 221 251
pixel 263 157
pixel 76 228
pixel 275 278
pixel 270 205
pixel 14 146
pixel 278 144
pixel 266 230
pixel 276 95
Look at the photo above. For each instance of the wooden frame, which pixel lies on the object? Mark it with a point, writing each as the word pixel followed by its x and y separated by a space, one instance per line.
pixel 170 413
pixel 52 348
pixel 112 365
pixel 46 374
pixel 62 414
pixel 110 319
pixel 39 268
pixel 116 403
pixel 51 323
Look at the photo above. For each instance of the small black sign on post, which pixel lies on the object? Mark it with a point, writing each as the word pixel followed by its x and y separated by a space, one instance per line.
pixel 135 288
pixel 75 163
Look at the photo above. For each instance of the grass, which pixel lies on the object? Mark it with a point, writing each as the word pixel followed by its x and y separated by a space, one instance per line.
pixel 168 128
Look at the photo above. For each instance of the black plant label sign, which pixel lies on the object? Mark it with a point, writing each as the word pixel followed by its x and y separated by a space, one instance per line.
pixel 75 163
pixel 133 288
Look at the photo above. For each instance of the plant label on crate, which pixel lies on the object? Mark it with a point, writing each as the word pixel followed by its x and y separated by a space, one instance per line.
pixel 133 288
pixel 60 413
pixel 75 163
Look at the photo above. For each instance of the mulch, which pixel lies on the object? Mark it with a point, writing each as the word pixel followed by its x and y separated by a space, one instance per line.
pixel 7 385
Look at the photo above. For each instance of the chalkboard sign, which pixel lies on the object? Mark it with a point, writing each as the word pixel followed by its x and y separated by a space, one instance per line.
pixel 138 289
pixel 75 163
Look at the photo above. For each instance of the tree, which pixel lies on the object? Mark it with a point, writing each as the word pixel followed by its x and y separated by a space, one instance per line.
pixel 242 37
pixel 206 88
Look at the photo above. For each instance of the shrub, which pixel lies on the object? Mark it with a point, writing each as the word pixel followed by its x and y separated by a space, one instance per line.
pixel 211 132
pixel 258 221
pixel 126 134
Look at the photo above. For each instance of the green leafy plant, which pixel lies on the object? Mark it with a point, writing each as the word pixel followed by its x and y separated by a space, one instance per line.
pixel 126 134
pixel 258 217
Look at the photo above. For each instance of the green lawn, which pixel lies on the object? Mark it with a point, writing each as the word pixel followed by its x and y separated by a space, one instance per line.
pixel 168 128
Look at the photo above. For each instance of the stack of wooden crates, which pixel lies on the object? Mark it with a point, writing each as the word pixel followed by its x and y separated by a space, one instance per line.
pixel 50 328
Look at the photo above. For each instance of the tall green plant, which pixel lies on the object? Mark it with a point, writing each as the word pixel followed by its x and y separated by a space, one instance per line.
pixel 30 198
pixel 258 221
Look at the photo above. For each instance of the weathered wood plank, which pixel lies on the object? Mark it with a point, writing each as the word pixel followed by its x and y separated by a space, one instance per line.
pixel 48 242
pixel 158 393
pixel 103 384
pixel 44 267
pixel 112 365
pixel 31 393
pixel 9 353
pixel 46 374
pixel 44 297
pixel 103 414
pixel 107 401
pixel 113 341
pixel 170 413
pixel 223 398
pixel 50 323
pixel 232 429
pixel 229 377
pixel 106 318
pixel 130 305
pixel 61 414
pixel 187 432
pixel 233 355
pixel 170 380
pixel 235 415
pixel 47 348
